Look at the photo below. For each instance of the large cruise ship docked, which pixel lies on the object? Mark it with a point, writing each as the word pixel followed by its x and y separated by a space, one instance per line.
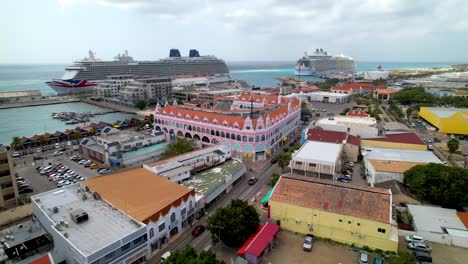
pixel 85 74
pixel 320 64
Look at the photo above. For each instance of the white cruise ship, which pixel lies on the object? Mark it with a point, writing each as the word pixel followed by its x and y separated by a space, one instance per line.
pixel 321 64
pixel 85 74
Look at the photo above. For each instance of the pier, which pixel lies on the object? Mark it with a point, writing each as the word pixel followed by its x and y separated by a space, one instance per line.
pixel 39 102
pixel 72 118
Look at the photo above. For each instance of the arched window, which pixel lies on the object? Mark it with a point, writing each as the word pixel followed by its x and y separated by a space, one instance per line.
pixel 238 138
pixel 244 138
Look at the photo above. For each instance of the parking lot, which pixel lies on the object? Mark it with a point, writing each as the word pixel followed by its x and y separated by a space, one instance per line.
pixel 40 183
pixel 288 249
pixel 441 253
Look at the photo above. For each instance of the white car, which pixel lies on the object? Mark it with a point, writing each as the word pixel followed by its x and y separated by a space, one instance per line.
pixel 15 154
pixel 83 161
pixel 351 164
pixel 414 238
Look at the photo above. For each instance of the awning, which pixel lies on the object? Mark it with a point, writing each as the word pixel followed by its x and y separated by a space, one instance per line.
pixel 260 242
pixel 241 250
pixel 268 195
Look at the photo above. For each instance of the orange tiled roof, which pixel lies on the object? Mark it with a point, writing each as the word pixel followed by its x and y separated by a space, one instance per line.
pixel 463 217
pixel 140 193
pixel 231 120
pixel 341 198
pixel 387 91
pixel 393 165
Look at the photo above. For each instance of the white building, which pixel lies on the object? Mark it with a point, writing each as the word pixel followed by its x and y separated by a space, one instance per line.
pixel 183 166
pixel 317 158
pixel 163 207
pixel 114 146
pixel 376 75
pixel 111 87
pixel 439 225
pixel 356 126
pixel 383 164
pixel 87 229
pixel 325 97
pixel 150 90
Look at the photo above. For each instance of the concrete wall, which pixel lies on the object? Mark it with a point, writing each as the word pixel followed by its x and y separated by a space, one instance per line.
pixel 354 130
pixel 350 230
pixel 441 238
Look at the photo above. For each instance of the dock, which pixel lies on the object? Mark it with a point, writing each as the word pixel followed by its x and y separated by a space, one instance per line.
pixel 39 102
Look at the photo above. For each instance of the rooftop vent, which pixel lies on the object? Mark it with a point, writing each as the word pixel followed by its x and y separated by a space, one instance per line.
pixel 79 215
pixel 55 209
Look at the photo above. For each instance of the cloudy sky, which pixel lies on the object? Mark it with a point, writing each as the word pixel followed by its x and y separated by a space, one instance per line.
pixel 59 31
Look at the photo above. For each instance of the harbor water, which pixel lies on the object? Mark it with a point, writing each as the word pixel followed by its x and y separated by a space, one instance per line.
pixel 28 121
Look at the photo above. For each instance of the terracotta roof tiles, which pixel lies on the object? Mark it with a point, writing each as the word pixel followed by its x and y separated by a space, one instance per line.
pixel 341 198
pixel 326 136
pixel 358 113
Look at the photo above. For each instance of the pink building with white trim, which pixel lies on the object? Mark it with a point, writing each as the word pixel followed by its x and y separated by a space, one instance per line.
pixel 252 134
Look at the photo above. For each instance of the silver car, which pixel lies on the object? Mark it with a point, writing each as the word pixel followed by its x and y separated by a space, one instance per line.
pixel 416 246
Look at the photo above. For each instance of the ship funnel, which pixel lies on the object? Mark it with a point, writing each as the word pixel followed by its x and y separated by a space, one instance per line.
pixel 317 50
pixel 321 50
pixel 174 53
pixel 194 53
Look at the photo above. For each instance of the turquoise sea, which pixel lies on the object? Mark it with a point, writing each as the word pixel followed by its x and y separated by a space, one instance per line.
pixel 36 120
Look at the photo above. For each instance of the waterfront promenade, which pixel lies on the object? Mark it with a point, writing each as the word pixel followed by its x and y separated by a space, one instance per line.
pixel 48 101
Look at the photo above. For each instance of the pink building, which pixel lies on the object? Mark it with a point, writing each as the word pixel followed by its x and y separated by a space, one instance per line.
pixel 254 127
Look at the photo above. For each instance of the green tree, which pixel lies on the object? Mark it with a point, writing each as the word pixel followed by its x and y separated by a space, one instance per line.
pixel 274 179
pixel 151 119
pixel 234 223
pixel 140 105
pixel 438 184
pixel 409 111
pixel 179 146
pixel 283 159
pixel 189 255
pixel 453 144
pixel 345 111
pixel 41 140
pixel 413 95
pixel 15 143
pixel 93 130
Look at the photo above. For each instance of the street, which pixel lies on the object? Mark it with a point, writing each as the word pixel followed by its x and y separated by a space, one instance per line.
pixel 203 242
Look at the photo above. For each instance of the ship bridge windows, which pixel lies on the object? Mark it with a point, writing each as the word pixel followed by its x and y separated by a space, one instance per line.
pixel 69 75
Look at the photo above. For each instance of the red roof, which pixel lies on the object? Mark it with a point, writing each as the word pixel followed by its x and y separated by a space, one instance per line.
pixel 34 138
pixel 406 138
pixel 326 136
pixel 57 134
pixel 358 113
pixel 261 240
pixel 387 91
pixel 463 217
pixel 42 260
pixel 353 140
pixel 241 250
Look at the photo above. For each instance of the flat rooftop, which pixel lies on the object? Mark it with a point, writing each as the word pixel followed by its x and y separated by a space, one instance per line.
pixel 318 151
pixel 186 156
pixel 347 120
pixel 400 155
pixel 125 136
pixel 206 181
pixel 393 165
pixel 138 192
pixel 105 225
pixel 27 93
pixel 16 235
pixel 432 219
pixel 144 150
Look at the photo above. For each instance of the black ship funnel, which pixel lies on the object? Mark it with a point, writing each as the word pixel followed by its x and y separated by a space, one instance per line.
pixel 194 53
pixel 174 53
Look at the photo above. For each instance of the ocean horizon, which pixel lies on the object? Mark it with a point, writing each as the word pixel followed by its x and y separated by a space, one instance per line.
pixel 20 77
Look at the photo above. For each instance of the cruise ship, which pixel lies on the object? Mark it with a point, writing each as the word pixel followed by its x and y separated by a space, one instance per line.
pixel 321 64
pixel 85 74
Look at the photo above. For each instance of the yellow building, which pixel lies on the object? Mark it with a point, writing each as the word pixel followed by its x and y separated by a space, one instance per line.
pixel 447 120
pixel 403 140
pixel 8 188
pixel 338 211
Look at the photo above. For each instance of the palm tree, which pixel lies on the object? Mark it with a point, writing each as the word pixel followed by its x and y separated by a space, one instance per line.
pixel 16 142
pixel 453 145
pixel 93 130
pixel 41 140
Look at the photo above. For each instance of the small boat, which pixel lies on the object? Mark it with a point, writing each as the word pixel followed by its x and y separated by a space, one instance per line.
pixel 71 122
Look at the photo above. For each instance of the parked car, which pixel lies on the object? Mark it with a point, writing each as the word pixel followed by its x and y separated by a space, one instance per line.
pixel 198 230
pixel 26 190
pixel 423 256
pixel 252 180
pixel 274 160
pixel 363 257
pixel 415 246
pixel 378 261
pixel 57 145
pixel 93 166
pixel 15 154
pixel 344 179
pixel 414 238
pixel 308 243
pixel 58 153
pixel 351 164
pixel 83 161
pixel 104 171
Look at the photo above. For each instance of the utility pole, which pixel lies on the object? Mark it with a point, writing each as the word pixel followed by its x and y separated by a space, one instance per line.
pixel 219 236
